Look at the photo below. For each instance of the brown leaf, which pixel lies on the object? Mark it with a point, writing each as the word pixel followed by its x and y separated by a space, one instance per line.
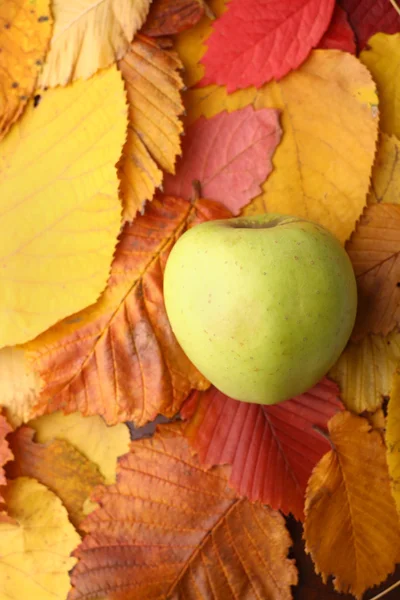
pixel 168 17
pixel 374 250
pixel 171 529
pixel 5 453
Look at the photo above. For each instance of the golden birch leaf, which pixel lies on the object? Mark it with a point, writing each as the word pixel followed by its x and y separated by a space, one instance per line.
pixel 351 528
pixel 364 371
pixel 330 122
pixel 90 35
pixel 153 85
pixel 385 178
pixel 393 438
pixel 100 443
pixel 35 549
pixel 59 184
pixel 25 29
pixel 383 61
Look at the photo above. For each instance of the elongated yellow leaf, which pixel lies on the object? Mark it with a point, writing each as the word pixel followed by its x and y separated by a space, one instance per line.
pixel 330 122
pixel 364 371
pixel 60 213
pixel 385 179
pixel 35 550
pixel 393 438
pixel 90 35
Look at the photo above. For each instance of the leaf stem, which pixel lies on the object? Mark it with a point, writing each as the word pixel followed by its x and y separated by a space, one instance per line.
pixel 397 9
pixel 324 434
pixel 389 589
pixel 196 185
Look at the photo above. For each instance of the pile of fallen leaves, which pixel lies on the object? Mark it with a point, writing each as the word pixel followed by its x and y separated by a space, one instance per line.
pixel 289 106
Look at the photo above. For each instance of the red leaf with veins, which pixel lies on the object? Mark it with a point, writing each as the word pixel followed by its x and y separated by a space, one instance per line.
pixel 340 35
pixel 368 17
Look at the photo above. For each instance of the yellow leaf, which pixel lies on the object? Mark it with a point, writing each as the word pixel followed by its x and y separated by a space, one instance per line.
pixel 383 60
pixel 153 87
pixel 60 213
pixel 35 550
pixel 330 122
pixel 89 36
pixel 100 443
pixel 19 385
pixel 351 527
pixel 393 438
pixel 385 179
pixel 25 28
pixel 364 371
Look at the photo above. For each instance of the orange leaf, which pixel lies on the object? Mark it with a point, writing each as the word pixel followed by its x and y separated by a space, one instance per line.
pixel 374 250
pixel 5 452
pixel 168 18
pixel 153 86
pixel 119 358
pixel 351 527
pixel 171 529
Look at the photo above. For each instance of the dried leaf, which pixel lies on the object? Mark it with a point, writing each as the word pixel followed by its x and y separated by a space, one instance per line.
pixel 57 465
pixel 374 250
pixel 153 86
pixel 393 438
pixel 99 443
pixel 385 179
pixel 272 449
pixel 35 549
pixel 5 453
pixel 329 118
pixel 383 61
pixel 25 29
pixel 255 42
pixel 351 527
pixel 169 528
pixel 60 208
pixel 339 35
pixel 168 18
pixel 119 357
pixel 367 17
pixel 89 36
pixel 364 371
pixel 230 154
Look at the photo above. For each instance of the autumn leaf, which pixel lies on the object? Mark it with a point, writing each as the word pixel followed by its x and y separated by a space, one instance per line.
pixel 383 60
pixel 60 207
pixel 100 444
pixel 35 550
pixel 153 86
pixel 229 154
pixel 351 527
pixel 367 17
pixel 329 118
pixel 385 178
pixel 5 453
pixel 89 36
pixel 258 41
pixel 339 35
pixel 25 29
pixel 393 438
pixel 374 250
pixel 364 371
pixel 272 449
pixel 57 465
pixel 168 18
pixel 170 528
pixel 119 357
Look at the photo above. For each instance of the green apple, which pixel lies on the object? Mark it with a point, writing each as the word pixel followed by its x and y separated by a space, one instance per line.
pixel 263 306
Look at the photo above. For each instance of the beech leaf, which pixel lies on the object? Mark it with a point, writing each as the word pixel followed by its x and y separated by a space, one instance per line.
pixel 393 438
pixel 230 154
pixel 170 528
pixel 385 178
pixel 351 530
pixel 272 449
pixel 168 18
pixel 367 17
pixel 339 35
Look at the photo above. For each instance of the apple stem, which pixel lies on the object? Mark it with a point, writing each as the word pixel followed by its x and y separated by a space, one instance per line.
pixel 196 190
pixel 324 434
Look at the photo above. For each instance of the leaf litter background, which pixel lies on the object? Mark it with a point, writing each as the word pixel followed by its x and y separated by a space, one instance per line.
pixel 108 113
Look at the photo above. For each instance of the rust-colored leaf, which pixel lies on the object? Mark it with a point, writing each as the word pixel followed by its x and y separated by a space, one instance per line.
pixel 5 453
pixel 374 250
pixel 171 529
pixel 272 449
pixel 168 17
pixel 119 357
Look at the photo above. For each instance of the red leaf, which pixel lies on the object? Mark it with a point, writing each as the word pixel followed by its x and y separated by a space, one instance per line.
pixel 368 17
pixel 272 449
pixel 340 35
pixel 230 154
pixel 258 40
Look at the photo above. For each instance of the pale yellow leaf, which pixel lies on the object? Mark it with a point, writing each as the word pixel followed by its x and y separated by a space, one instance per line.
pixel 35 550
pixel 385 179
pixel 90 35
pixel 364 371
pixel 330 121
pixel 60 213
pixel 393 438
